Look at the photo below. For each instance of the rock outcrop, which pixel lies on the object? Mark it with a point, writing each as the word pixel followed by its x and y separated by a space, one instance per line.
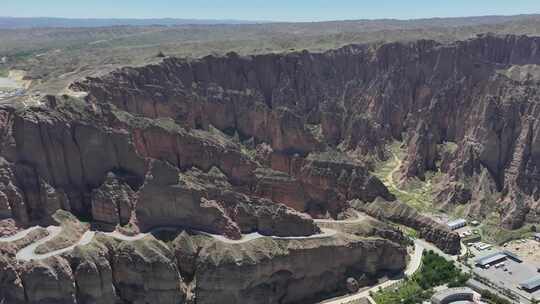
pixel 11 287
pixel 145 272
pixel 428 229
pixel 97 163
pixel 49 281
pixel 272 271
pixel 208 202
pixel 189 266
pixel 93 273
pixel 113 202
pixel 232 145
pixel 359 97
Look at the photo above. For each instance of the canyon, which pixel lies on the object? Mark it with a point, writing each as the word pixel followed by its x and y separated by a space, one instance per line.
pixel 251 159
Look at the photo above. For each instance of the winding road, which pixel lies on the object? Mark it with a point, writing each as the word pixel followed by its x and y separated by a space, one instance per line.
pixel 359 218
pixel 19 235
pixel 28 253
pixel 326 233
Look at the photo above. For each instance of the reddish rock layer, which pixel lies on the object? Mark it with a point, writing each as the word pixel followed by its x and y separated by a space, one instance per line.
pixel 359 97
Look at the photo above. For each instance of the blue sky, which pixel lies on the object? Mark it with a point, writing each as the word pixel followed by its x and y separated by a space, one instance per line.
pixel 278 10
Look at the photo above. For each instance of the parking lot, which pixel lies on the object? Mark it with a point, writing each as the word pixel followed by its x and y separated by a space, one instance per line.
pixel 510 275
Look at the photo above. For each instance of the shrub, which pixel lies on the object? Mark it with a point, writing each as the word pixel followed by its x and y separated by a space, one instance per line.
pixel 493 298
pixel 435 271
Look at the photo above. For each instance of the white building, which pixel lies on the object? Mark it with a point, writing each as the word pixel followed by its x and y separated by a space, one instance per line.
pixel 456 224
pixel 456 295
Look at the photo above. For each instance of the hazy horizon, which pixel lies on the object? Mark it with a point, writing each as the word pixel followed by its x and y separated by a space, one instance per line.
pixel 267 21
pixel 264 11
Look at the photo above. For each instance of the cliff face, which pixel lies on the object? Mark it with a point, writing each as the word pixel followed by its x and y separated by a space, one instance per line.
pixel 134 173
pixel 95 164
pixel 197 269
pixel 287 272
pixel 480 94
pixel 427 228
pixel 234 145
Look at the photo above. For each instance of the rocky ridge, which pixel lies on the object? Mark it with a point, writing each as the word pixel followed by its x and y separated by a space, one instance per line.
pixel 358 98
pixel 234 145
pixel 193 267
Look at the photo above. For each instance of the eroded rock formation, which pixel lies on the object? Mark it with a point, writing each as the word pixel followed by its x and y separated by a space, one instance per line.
pixel 359 97
pixel 232 145
pixel 196 268
pixel 289 272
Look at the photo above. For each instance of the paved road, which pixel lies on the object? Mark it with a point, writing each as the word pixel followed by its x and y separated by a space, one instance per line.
pixel 416 259
pixel 326 233
pixel 359 218
pixel 8 83
pixel 122 237
pixel 414 265
pixel 19 235
pixel 28 253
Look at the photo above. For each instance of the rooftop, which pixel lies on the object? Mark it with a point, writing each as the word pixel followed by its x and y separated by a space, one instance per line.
pixel 512 255
pixel 457 222
pixel 490 258
pixel 441 295
pixel 532 283
pixel 493 257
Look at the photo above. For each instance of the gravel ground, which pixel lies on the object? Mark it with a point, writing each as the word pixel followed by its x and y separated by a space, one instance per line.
pixel 527 249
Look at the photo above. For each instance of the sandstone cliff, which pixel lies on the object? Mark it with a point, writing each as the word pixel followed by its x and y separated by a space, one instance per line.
pixel 480 94
pixel 275 271
pixel 194 268
pixel 427 228
pixel 232 145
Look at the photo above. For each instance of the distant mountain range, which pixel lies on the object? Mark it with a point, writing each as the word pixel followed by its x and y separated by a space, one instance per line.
pixel 53 22
pixel 41 22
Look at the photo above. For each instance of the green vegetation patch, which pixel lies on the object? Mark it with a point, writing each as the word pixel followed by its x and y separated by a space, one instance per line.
pixel 408 292
pixel 435 271
pixel 438 271
pixel 492 298
pixel 416 193
pixel 410 232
